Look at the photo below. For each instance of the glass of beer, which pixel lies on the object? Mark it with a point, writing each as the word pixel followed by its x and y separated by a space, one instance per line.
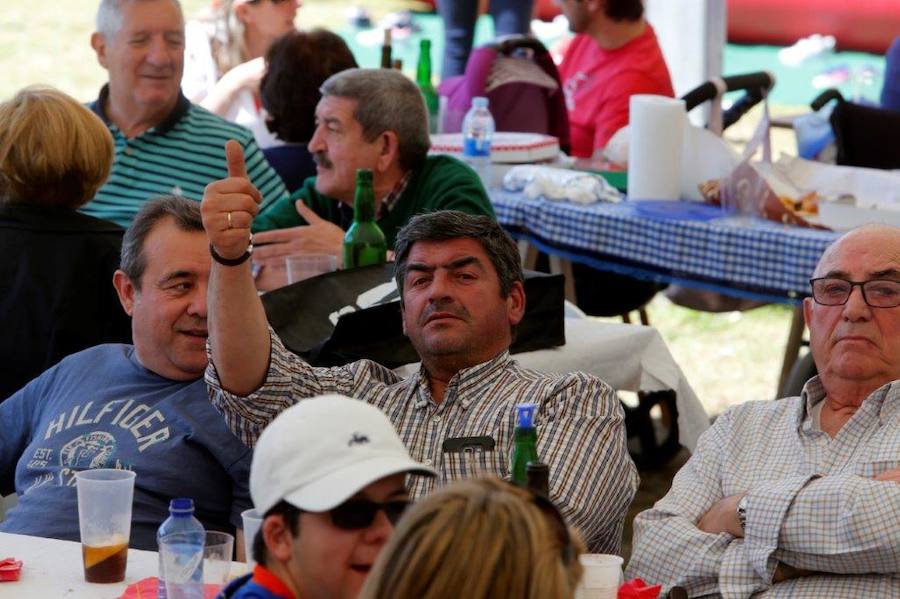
pixel 104 517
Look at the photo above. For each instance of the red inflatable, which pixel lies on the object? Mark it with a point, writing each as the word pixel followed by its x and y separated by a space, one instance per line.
pixel 868 25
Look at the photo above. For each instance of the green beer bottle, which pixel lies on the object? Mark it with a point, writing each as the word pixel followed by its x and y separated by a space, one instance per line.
pixel 364 241
pixel 525 443
pixel 423 79
pixel 386 50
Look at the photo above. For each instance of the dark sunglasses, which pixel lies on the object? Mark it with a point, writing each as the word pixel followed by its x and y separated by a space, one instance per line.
pixel 356 514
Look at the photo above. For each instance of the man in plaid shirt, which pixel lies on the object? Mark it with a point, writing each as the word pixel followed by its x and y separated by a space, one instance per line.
pixel 799 497
pixel 461 286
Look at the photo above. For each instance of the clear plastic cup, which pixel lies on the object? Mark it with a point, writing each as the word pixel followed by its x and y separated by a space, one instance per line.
pixel 104 518
pixel 252 522
pixel 217 553
pixel 304 266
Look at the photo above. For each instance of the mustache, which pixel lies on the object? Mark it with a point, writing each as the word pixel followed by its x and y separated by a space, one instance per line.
pixel 322 160
pixel 447 306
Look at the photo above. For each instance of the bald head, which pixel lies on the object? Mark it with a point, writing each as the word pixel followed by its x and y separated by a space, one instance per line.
pixel 875 239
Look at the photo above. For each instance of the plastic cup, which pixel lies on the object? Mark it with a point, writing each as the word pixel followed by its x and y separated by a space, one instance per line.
pixel 252 522
pixel 217 554
pixel 602 575
pixel 179 561
pixel 304 266
pixel 104 518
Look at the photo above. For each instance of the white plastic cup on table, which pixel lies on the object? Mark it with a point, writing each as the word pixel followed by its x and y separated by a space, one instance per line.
pixel 602 576
pixel 104 519
pixel 217 552
pixel 304 266
pixel 252 522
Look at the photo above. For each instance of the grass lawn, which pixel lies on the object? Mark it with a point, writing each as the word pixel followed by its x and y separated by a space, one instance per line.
pixel 729 358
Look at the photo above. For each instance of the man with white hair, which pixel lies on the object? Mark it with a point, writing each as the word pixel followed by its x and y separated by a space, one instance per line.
pixel 328 475
pixel 799 497
pixel 164 144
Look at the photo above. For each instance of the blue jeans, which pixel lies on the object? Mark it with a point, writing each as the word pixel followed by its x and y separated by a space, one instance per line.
pixel 510 17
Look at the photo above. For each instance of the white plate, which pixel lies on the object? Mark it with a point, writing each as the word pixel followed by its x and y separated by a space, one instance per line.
pixel 506 146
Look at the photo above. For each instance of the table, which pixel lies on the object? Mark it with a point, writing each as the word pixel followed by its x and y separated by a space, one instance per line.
pixel 52 568
pixel 628 357
pixel 674 242
pixel 685 243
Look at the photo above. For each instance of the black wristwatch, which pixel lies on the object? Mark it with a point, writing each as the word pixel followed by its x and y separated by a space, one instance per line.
pixel 231 261
pixel 742 512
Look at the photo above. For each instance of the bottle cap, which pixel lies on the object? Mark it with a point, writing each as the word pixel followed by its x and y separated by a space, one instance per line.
pixel 479 102
pixel 363 174
pixel 425 43
pixel 182 504
pixel 525 415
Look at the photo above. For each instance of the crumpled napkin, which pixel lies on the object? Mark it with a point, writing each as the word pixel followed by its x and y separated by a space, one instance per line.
pixel 10 569
pixel 638 589
pixel 559 184
pixel 147 588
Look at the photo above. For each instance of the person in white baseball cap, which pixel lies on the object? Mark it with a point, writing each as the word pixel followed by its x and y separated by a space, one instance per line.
pixel 329 476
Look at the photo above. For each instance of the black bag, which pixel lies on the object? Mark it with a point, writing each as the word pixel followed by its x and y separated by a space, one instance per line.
pixel 348 315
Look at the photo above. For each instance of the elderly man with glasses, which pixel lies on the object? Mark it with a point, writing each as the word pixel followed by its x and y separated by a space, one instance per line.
pixel 799 497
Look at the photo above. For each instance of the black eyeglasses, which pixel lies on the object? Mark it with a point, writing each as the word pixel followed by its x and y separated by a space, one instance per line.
pixel 877 293
pixel 356 514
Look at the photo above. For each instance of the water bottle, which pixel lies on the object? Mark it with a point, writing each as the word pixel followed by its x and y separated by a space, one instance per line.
pixel 478 130
pixel 182 567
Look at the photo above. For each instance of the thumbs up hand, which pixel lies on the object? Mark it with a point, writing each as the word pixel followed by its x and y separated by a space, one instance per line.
pixel 229 206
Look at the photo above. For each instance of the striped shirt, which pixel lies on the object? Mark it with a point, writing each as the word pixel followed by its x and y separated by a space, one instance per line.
pixel 812 504
pixel 580 426
pixel 179 156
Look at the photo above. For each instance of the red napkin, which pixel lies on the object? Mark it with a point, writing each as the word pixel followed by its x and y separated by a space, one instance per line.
pixel 10 569
pixel 638 589
pixel 148 587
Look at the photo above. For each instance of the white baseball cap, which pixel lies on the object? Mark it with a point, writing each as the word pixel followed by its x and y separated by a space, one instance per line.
pixel 319 453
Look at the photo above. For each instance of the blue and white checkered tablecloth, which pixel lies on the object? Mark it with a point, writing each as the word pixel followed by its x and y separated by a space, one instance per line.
pixel 680 242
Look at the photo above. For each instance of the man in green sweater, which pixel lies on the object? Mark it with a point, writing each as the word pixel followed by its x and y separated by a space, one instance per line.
pixel 375 119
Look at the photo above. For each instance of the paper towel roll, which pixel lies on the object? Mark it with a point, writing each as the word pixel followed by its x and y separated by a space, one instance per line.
pixel 654 151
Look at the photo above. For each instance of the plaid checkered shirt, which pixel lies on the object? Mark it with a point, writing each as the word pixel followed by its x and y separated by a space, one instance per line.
pixel 579 421
pixel 812 504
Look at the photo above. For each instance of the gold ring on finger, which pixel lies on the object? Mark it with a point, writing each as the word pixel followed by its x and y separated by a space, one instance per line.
pixel 230 224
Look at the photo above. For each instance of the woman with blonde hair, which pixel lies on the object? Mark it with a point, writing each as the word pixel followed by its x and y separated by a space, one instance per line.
pixel 478 539
pixel 224 58
pixel 56 264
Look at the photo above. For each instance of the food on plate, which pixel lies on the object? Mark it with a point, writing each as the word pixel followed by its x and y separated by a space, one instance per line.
pixel 808 203
pixel 711 191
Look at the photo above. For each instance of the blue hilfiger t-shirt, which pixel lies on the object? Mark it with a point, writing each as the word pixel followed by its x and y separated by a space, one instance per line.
pixel 100 408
